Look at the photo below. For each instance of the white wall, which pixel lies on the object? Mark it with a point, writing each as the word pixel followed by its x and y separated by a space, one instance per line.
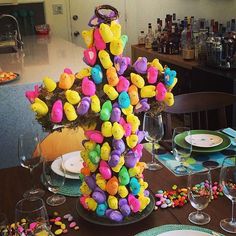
pixel 139 13
pixel 59 23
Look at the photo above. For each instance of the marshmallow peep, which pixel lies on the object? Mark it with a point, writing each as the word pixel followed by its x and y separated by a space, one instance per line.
pixel 57 112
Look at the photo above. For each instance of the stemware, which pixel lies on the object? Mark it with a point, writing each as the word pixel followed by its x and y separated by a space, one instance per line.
pixel 181 150
pixel 228 184
pixel 54 181
pixel 153 126
pixel 3 222
pixel 35 216
pixel 29 153
pixel 199 194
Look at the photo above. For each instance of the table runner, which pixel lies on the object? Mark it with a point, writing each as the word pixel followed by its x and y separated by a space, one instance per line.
pixel 194 162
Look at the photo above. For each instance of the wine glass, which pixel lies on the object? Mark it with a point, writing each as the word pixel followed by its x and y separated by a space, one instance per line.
pixel 29 153
pixel 228 183
pixel 199 194
pixel 153 126
pixel 54 181
pixel 35 216
pixel 181 149
pixel 3 222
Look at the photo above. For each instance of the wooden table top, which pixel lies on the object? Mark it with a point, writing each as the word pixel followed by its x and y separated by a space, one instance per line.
pixel 16 180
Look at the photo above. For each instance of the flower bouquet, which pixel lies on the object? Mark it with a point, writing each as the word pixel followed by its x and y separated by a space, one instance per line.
pixel 105 99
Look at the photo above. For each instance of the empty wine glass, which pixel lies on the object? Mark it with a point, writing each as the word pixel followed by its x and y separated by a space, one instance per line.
pixel 199 194
pixel 153 126
pixel 54 181
pixel 228 183
pixel 35 216
pixel 181 149
pixel 29 153
pixel 3 223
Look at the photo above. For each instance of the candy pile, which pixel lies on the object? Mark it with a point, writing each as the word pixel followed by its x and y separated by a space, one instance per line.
pixel 60 225
pixel 104 99
pixel 178 197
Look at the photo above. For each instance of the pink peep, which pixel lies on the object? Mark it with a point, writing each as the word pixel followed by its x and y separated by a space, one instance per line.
pixel 123 84
pixel 94 135
pixel 57 112
pixel 31 95
pixel 152 74
pixel 90 56
pixel 126 126
pixel 68 71
pixel 88 87
pixel 99 42
pixel 161 92
pixel 134 203
pixel 105 170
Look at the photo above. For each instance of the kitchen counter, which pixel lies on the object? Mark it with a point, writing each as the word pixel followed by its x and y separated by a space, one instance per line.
pixel 42 56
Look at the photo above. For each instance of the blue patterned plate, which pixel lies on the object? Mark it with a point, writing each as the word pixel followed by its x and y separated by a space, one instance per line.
pixel 178 230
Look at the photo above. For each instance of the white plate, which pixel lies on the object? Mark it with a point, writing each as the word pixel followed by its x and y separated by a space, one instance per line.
pixel 73 164
pixel 184 232
pixel 204 140
pixel 57 165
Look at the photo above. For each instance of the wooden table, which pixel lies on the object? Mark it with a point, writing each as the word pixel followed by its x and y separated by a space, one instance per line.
pixel 14 181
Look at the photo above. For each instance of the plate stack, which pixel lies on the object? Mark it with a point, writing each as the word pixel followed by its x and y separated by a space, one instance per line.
pixel 204 141
pixel 72 166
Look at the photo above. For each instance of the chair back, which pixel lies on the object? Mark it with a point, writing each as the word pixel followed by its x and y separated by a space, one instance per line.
pixel 200 110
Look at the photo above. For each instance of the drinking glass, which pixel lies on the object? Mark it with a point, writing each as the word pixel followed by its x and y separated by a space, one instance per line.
pixel 153 126
pixel 199 194
pixel 29 153
pixel 3 223
pixel 54 181
pixel 34 213
pixel 228 183
pixel 181 149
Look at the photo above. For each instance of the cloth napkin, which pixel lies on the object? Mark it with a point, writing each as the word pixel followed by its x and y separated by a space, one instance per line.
pixel 231 133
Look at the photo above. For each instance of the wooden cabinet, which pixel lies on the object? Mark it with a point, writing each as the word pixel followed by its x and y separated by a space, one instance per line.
pixel 193 77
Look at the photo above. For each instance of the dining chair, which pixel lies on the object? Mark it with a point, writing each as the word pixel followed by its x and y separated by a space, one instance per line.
pixel 200 110
pixel 61 142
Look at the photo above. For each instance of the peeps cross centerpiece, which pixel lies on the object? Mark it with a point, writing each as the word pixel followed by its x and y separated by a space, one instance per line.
pixel 105 99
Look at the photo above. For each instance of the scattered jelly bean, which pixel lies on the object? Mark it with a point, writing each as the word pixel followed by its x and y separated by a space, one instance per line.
pixel 58 219
pixel 65 231
pixel 76 227
pixel 58 223
pixel 55 213
pixel 67 216
pixel 58 232
pixel 70 218
pixel 63 226
pixel 72 224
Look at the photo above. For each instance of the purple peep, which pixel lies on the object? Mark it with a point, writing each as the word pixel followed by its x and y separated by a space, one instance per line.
pixel 118 145
pixel 116 216
pixel 125 210
pixel 115 114
pixel 142 106
pixel 99 196
pixel 141 135
pixel 114 159
pixel 84 106
pixel 131 159
pixel 140 65
pixel 121 64
pixel 90 181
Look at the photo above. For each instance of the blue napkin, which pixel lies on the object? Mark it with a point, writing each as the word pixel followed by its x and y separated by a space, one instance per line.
pixel 231 133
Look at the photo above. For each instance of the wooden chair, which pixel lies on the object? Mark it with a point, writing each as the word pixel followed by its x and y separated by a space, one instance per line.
pixel 61 142
pixel 204 110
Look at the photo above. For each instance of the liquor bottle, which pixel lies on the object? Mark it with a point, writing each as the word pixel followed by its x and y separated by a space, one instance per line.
pixel 188 45
pixel 149 37
pixel 157 36
pixel 141 38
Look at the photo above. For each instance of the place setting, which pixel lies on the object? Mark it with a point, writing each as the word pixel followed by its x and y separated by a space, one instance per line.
pixel 66 167
pixel 195 150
